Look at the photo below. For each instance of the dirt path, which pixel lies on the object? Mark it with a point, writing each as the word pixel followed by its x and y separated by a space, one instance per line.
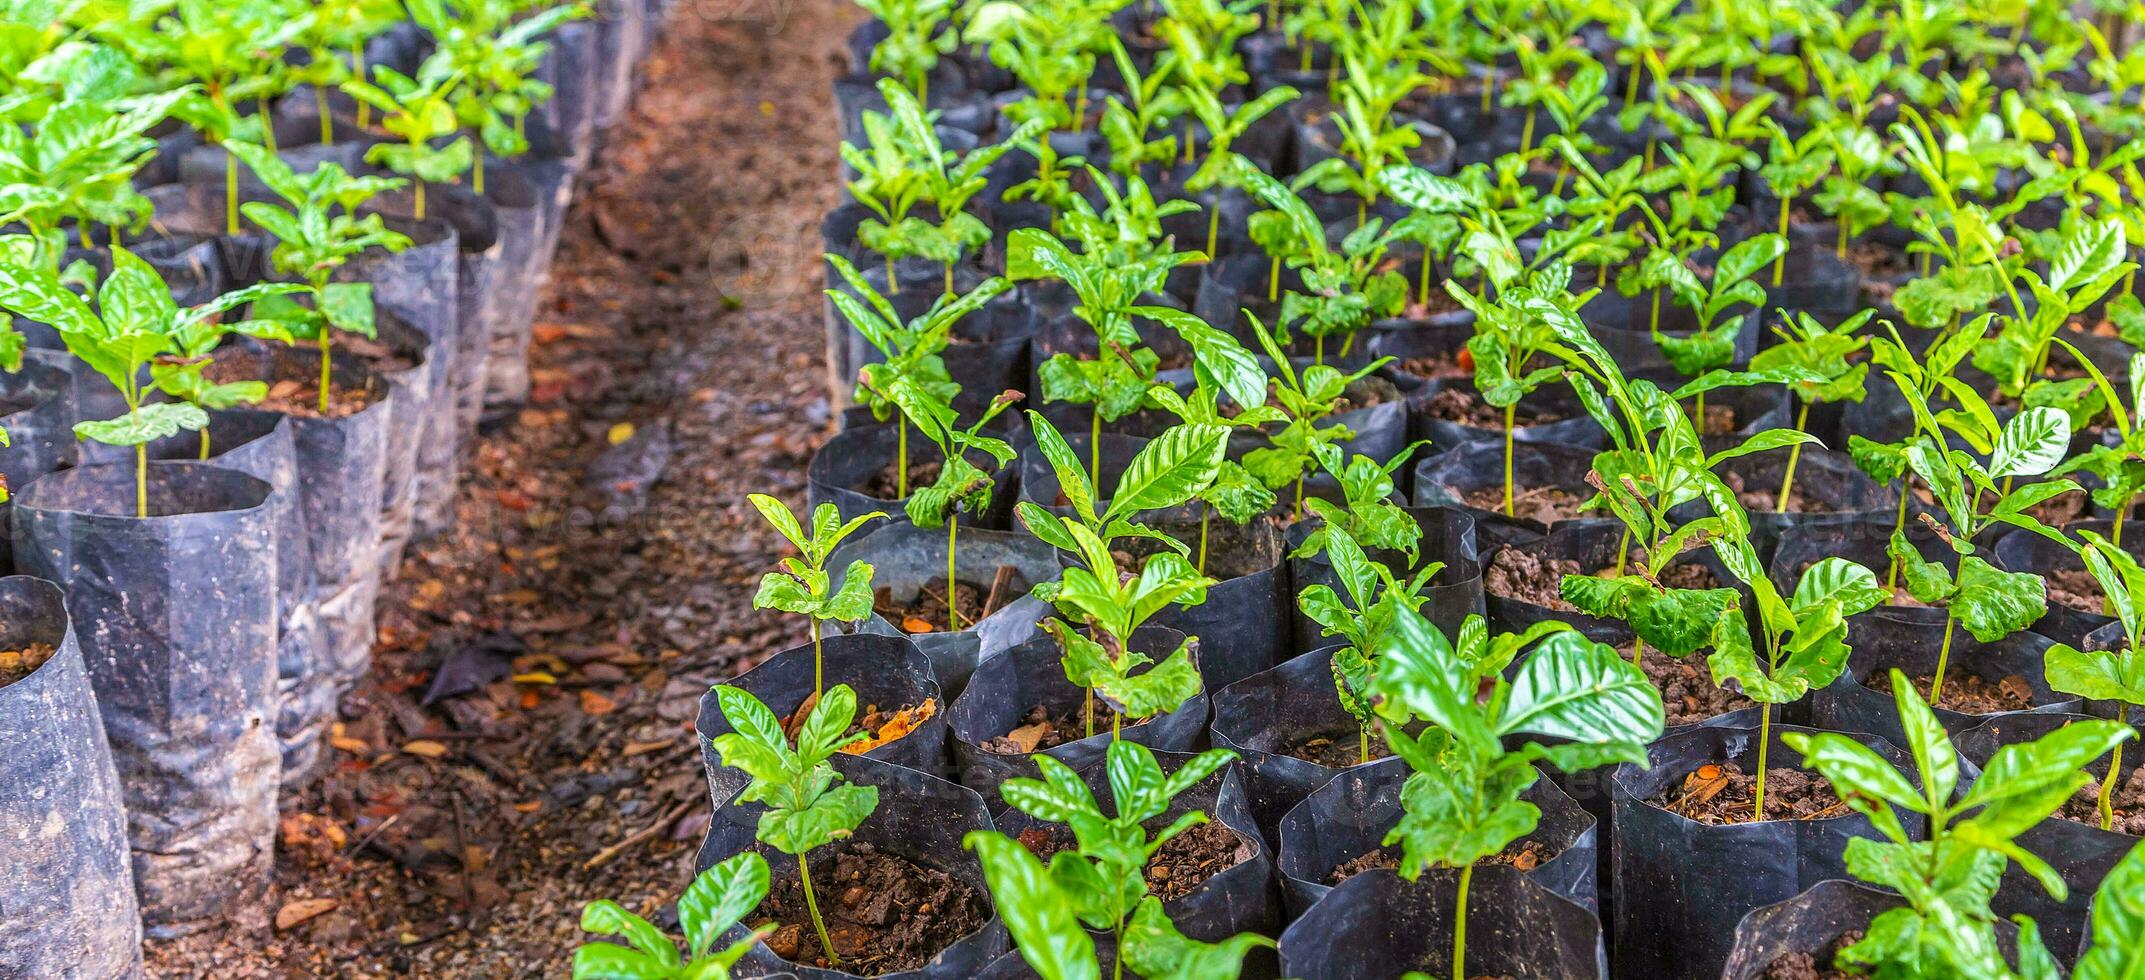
pixel 602 575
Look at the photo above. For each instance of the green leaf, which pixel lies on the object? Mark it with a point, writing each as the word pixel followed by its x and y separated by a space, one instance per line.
pixel 1171 469
pixel 148 423
pixel 1153 948
pixel 2115 675
pixel 719 898
pixel 1925 738
pixel 1852 767
pixel 1039 916
pixel 2032 443
pixel 607 918
pixel 1574 688
pixel 1993 604
pixel 2118 924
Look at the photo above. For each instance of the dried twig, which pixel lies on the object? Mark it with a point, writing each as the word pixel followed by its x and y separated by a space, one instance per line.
pixel 669 817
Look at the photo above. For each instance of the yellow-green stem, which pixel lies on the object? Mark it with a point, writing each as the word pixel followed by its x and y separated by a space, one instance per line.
pixel 418 209
pixel 2107 788
pixel 1459 925
pixel 357 66
pixel 811 904
pixel 204 443
pixel 1765 744
pixel 1780 263
pixel 476 176
pixel 1214 227
pixel 816 658
pixel 1273 280
pixel 953 618
pixel 1206 515
pixel 1094 445
pixel 1526 133
pixel 949 278
pixel 1363 745
pixel 1787 481
pixel 327 342
pixel 901 459
pixel 268 125
pixel 230 194
pixel 1943 658
pixel 141 479
pixel 327 122
pixel 1508 512
pixel 1089 711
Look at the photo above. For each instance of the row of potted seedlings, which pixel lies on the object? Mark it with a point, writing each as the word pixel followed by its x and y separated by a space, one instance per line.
pixel 263 266
pixel 1448 418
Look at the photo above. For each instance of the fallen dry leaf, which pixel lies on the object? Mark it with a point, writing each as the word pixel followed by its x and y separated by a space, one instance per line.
pixel 912 624
pixel 354 746
pixel 596 704
pixel 619 433
pixel 899 724
pixel 425 748
pixel 1027 737
pixel 299 912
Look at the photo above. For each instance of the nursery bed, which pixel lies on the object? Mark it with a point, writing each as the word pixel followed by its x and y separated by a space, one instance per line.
pixel 455 839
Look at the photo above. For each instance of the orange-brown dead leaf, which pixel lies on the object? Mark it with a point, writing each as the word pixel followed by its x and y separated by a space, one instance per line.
pixel 899 724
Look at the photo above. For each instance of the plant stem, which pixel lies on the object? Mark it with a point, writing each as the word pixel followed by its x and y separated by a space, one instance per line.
pixel 901 460
pixel 1206 514
pixel 811 904
pixel 1363 745
pixel 476 177
pixel 418 208
pixel 268 125
pixel 1214 226
pixel 327 341
pixel 1459 925
pixel 230 194
pixel 327 122
pixel 357 65
pixel 2119 515
pixel 1526 132
pixel 1839 248
pixel 816 658
pixel 1299 496
pixel 1422 282
pixel 1094 445
pixel 1508 409
pixel 1899 524
pixel 1273 280
pixel 204 443
pixel 1780 264
pixel 1943 658
pixel 1089 710
pixel 949 278
pixel 2107 788
pixel 141 479
pixel 1765 744
pixel 953 618
pixel 1787 481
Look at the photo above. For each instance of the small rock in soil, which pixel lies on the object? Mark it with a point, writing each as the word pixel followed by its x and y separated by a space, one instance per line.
pixel 18 664
pixel 1803 966
pixel 2127 802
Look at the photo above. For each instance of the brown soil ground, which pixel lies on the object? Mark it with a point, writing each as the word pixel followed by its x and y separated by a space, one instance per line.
pixel 684 303
pixel 884 914
pixel 1970 694
pixel 18 664
pixel 1725 794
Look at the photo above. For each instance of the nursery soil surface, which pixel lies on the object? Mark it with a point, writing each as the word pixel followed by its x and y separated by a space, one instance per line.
pixel 1465 407
pixel 1968 694
pixel 1724 794
pixel 1339 750
pixel 884 914
pixel 18 664
pixel 926 611
pixel 1366 392
pixel 886 484
pixel 294 391
pixel 1457 364
pixel 1040 729
pixel 1547 505
pixel 1803 966
pixel 2128 801
pixel 603 540
pixel 1184 863
pixel 1688 693
pixel 1515 573
pixel 2077 589
pixel 1719 420
pixel 1766 500
pixel 1524 855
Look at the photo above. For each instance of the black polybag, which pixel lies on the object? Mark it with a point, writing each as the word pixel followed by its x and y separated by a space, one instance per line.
pixel 66 887
pixel 183 661
pixel 1454 593
pixel 1881 642
pixel 1378 925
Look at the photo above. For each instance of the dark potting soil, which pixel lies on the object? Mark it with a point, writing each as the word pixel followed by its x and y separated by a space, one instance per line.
pixel 1719 420
pixel 1465 407
pixel 1366 392
pixel 1968 694
pixel 1524 855
pixel 1456 364
pixel 1766 500
pixel 1422 307
pixel 1688 693
pixel 879 726
pixel 1876 260
pixel 1803 966
pixel 1515 573
pixel 884 914
pixel 1339 749
pixel 18 664
pixel 1546 505
pixel 293 387
pixel 1721 793
pixel 2128 802
pixel 1040 729
pixel 2077 589
pixel 1182 864
pixel 926 611
pixel 885 485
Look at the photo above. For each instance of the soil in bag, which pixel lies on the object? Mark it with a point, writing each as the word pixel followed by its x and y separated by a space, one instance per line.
pixel 900 898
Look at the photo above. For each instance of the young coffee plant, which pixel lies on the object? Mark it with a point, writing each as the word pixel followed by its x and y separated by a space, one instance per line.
pixel 495 47
pixel 333 35
pixel 2119 458
pixel 1307 398
pixel 420 111
pixel 2116 675
pixel 1824 364
pixel 76 164
pixel 718 899
pixel 1367 511
pixel 802 584
pixel 1461 801
pixel 139 340
pixel 1374 600
pixel 1104 604
pixel 318 231
pixel 1949 875
pixel 1100 883
pixel 808 804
